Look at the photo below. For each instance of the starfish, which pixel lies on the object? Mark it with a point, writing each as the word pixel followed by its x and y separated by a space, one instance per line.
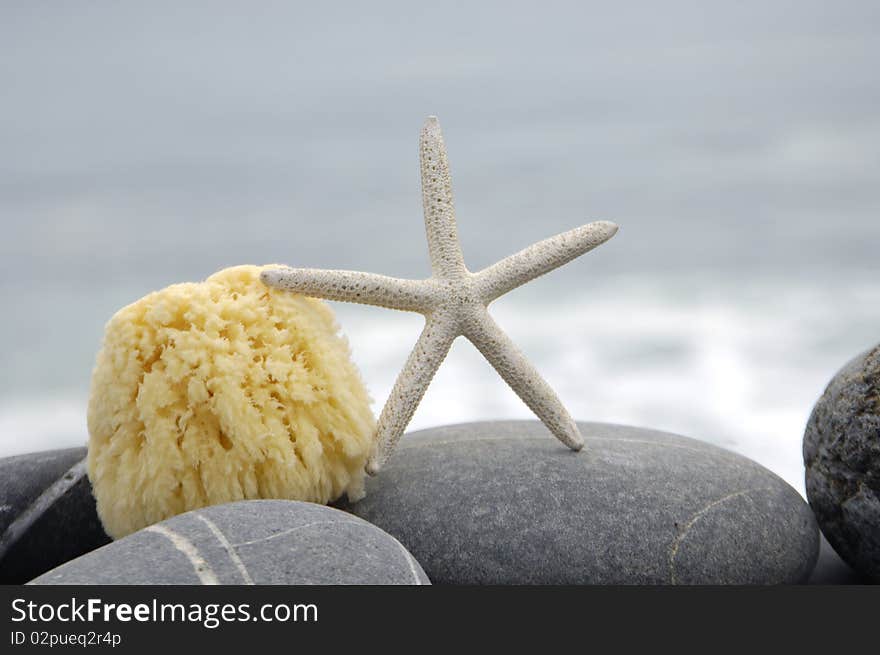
pixel 454 302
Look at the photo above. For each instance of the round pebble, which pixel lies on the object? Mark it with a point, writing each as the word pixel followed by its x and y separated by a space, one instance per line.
pixel 842 458
pixel 504 503
pixel 249 542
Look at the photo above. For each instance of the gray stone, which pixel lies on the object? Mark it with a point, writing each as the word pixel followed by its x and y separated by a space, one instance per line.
pixel 249 542
pixel 504 503
pixel 66 527
pixel 842 457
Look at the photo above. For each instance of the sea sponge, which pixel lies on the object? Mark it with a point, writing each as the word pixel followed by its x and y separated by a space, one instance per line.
pixel 223 390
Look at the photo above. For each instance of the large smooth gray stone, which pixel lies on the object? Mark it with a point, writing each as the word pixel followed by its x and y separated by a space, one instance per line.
pixel 842 457
pixel 67 528
pixel 249 542
pixel 505 503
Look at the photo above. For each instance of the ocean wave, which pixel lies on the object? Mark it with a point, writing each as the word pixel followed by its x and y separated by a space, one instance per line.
pixel 28 424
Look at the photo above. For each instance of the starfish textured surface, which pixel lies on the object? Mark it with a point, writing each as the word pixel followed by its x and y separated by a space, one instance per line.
pixel 454 302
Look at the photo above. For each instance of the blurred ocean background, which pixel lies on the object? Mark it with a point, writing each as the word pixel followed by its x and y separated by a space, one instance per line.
pixel 736 144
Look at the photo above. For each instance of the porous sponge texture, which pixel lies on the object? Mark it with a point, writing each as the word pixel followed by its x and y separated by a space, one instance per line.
pixel 223 390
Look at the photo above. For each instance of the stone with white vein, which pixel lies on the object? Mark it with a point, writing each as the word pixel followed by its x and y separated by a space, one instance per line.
pixel 499 503
pixel 249 542
pixel 454 302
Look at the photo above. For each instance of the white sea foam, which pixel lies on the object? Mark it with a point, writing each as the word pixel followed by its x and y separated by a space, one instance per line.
pixel 731 368
pixel 740 367
pixel 28 424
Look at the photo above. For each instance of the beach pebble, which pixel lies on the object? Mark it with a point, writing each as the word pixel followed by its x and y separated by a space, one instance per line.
pixel 831 569
pixel 67 528
pixel 504 503
pixel 842 457
pixel 249 542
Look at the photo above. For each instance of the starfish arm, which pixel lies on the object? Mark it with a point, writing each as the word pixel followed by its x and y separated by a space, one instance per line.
pixel 352 286
pixel 541 258
pixel 524 379
pixel 424 360
pixel 437 203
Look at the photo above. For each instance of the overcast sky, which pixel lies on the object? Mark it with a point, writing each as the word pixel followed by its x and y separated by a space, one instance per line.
pixel 188 136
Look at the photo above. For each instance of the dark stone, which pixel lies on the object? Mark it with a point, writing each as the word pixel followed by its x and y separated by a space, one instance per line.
pixel 249 542
pixel 831 569
pixel 505 503
pixel 842 457
pixel 68 528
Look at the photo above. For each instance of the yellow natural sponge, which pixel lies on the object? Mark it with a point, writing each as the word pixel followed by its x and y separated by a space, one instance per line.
pixel 220 391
